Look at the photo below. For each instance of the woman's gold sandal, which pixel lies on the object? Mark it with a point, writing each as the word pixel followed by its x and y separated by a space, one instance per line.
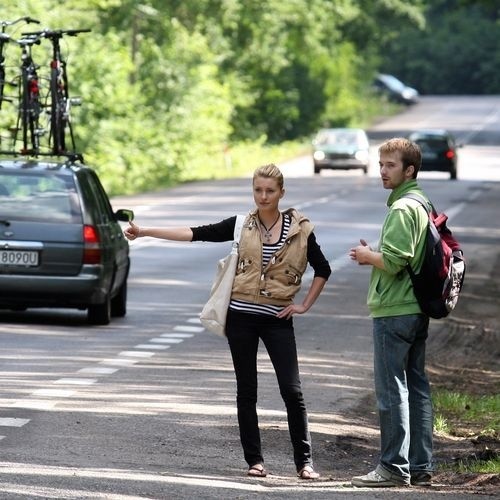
pixel 307 472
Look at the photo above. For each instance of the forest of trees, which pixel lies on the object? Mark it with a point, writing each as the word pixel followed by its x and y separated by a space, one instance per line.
pixel 170 87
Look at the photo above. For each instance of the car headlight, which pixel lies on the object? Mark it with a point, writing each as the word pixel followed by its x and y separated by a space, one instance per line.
pixel 319 155
pixel 362 155
pixel 409 93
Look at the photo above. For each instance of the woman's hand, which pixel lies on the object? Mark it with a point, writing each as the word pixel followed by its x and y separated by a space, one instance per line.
pixel 290 310
pixel 314 290
pixel 132 231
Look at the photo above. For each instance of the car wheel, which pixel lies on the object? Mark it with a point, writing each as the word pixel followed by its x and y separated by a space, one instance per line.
pixel 100 314
pixel 119 302
pixel 453 175
pixel 317 169
pixel 365 170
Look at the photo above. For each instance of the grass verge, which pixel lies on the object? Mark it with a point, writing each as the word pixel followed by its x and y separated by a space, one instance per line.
pixel 241 159
pixel 464 415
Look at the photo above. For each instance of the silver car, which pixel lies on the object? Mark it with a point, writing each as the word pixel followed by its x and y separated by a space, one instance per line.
pixel 60 241
pixel 341 148
pixel 396 90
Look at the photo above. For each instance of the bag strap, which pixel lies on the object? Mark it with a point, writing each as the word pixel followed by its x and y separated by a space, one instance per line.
pixel 421 200
pixel 238 226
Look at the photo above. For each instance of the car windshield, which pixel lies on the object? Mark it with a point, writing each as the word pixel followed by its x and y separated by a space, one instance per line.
pixel 392 82
pixel 432 144
pixel 341 137
pixel 31 196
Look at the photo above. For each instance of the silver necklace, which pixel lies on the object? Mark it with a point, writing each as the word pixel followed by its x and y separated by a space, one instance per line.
pixel 267 232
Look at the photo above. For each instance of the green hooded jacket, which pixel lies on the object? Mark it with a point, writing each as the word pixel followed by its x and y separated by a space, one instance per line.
pixel 402 240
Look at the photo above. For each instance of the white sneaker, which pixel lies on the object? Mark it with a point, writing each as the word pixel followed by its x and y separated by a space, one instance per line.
pixel 374 480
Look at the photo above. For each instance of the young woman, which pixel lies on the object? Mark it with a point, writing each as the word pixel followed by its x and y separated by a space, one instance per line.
pixel 275 248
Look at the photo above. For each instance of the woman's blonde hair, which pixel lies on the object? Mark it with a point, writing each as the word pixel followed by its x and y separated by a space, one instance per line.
pixel 270 171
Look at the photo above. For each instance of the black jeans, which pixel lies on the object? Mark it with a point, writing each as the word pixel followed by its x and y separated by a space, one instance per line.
pixel 243 332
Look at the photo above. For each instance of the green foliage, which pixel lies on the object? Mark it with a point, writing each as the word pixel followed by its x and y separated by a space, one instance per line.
pixel 458 51
pixel 167 85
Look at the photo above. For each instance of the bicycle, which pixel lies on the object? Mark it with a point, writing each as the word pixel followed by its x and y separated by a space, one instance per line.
pixel 4 39
pixel 59 91
pixel 30 105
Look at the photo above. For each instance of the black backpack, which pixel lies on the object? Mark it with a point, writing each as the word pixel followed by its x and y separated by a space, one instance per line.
pixel 440 279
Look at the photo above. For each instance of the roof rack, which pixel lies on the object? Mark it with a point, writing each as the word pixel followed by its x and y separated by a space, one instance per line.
pixel 70 156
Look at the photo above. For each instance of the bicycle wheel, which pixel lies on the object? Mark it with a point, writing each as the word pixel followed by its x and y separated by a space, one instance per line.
pixel 58 118
pixel 29 114
pixel 23 120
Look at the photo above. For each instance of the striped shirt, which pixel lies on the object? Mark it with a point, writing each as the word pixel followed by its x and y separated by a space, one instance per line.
pixel 268 250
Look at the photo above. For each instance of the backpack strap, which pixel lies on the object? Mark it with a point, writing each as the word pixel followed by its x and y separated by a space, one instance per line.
pixel 429 210
pixel 438 219
pixel 421 200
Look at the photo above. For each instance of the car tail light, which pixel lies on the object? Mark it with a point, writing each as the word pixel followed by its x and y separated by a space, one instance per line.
pixel 450 154
pixel 92 246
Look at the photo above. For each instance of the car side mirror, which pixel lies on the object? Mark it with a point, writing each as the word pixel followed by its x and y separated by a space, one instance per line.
pixel 124 215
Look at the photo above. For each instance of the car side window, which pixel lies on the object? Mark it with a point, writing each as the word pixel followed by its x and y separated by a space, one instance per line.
pixel 104 210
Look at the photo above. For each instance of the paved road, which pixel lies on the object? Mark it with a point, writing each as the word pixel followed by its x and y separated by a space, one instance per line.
pixel 144 408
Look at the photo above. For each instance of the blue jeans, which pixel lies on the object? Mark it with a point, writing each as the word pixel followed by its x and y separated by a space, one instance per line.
pixel 244 332
pixel 403 395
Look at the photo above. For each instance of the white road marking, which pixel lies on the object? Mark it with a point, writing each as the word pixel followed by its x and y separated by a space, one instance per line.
pixel 76 381
pixel 167 340
pixel 155 343
pixel 454 210
pixel 13 422
pixel 137 354
pixel 177 335
pixel 101 370
pixel 119 362
pixel 187 328
pixel 152 346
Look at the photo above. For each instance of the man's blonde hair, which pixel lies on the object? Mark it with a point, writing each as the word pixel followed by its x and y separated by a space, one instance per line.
pixel 271 171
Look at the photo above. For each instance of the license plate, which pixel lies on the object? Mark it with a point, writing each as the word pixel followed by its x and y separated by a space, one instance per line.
pixel 429 156
pixel 18 258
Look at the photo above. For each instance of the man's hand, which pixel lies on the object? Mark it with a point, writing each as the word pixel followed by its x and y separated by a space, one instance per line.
pixel 360 253
pixel 364 255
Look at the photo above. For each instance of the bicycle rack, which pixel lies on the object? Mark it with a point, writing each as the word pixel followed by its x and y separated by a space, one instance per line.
pixel 61 131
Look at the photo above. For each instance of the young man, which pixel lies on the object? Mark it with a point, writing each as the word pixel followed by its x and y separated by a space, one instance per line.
pixel 399 327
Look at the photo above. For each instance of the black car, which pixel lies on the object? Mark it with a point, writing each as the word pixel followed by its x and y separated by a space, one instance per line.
pixel 60 241
pixel 439 150
pixel 395 89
